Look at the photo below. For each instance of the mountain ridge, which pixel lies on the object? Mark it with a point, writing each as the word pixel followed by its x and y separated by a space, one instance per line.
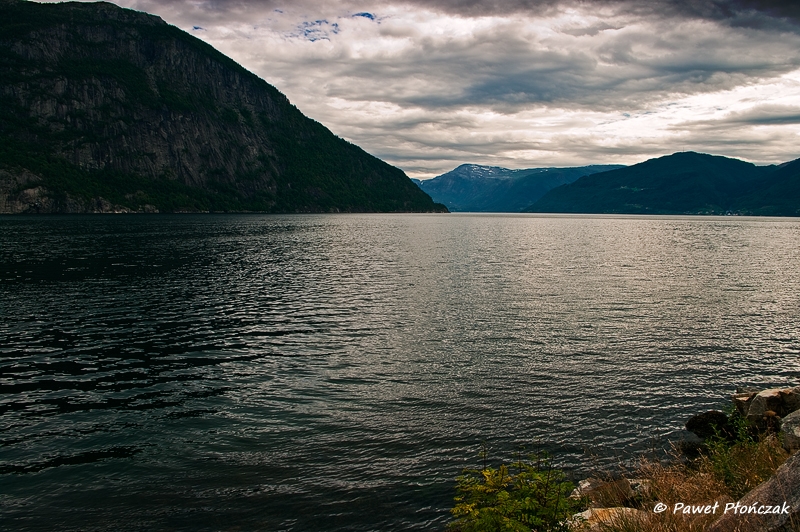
pixel 682 183
pixel 109 109
pixel 479 188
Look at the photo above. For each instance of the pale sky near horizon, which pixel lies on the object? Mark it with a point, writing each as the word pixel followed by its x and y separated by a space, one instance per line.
pixel 427 85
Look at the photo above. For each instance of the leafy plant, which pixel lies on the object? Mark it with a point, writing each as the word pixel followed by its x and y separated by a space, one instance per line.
pixel 744 460
pixel 527 495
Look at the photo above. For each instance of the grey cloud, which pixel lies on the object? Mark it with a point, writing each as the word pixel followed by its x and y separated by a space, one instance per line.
pixel 775 120
pixel 745 13
pixel 506 73
pixel 437 152
pixel 630 55
pixel 746 143
pixel 778 8
pixel 591 30
pixel 767 115
pixel 736 12
pixel 762 115
pixel 739 12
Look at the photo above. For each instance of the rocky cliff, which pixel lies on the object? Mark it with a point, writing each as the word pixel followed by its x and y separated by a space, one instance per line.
pixel 109 109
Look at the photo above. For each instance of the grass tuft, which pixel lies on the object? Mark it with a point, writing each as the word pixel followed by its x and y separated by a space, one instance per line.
pixel 725 472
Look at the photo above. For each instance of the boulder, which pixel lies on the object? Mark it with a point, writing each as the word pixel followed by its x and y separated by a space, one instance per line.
pixel 790 427
pixel 763 402
pixel 584 487
pixel 781 491
pixel 791 400
pixel 782 401
pixel 708 424
pixel 742 400
pixel 690 445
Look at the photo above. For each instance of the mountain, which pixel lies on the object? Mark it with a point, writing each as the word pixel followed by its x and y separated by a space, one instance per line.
pixel 109 109
pixel 682 183
pixel 476 188
pixel 779 194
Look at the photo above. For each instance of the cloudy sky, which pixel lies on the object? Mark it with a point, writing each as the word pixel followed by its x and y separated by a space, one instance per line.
pixel 429 84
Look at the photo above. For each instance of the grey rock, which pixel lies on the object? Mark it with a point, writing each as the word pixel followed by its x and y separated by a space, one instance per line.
pixel 742 401
pixel 782 401
pixel 764 401
pixel 688 443
pixel 791 400
pixel 790 427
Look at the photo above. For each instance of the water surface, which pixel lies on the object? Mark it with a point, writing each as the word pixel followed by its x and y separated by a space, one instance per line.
pixel 336 372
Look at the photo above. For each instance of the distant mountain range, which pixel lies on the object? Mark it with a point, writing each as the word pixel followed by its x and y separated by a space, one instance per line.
pixel 475 188
pixel 104 109
pixel 682 183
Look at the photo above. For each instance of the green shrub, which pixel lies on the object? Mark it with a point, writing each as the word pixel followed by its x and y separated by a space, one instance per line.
pixel 528 495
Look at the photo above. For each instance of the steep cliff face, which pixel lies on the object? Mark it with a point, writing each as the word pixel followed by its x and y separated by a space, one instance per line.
pixel 103 108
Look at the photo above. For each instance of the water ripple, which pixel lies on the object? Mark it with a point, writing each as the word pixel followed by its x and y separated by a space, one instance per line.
pixel 337 372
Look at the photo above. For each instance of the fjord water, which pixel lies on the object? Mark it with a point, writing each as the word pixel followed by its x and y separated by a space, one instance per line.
pixel 336 372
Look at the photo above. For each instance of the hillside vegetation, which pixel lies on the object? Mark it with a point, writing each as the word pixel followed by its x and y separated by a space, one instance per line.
pixel 109 109
pixel 682 183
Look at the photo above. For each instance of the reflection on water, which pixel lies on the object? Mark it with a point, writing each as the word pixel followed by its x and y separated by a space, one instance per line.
pixel 337 372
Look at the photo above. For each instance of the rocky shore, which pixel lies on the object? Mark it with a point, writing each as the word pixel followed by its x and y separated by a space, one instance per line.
pixel 771 415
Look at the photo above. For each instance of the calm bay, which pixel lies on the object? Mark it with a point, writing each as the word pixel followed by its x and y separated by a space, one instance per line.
pixel 336 372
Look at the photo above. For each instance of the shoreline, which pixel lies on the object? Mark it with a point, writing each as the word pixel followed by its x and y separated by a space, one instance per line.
pixel 766 418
